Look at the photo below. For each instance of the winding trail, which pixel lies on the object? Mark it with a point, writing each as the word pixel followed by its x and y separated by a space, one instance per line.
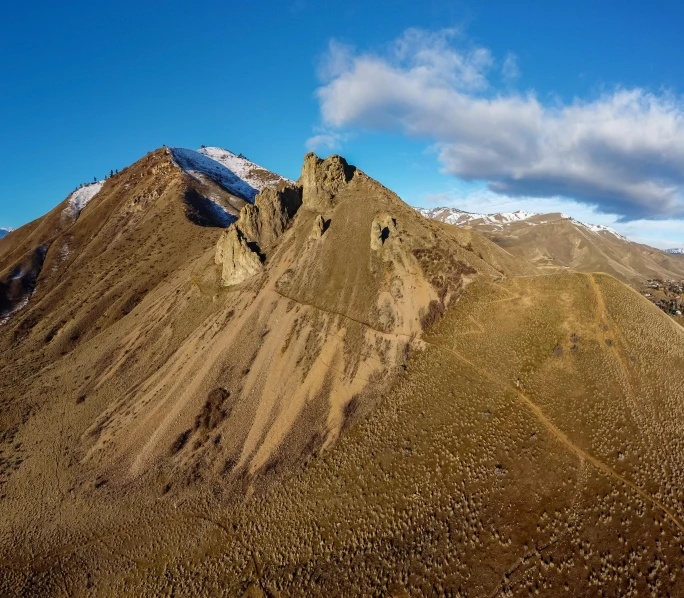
pixel 557 433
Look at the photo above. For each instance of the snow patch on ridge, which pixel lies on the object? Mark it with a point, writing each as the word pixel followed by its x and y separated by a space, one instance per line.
pixel 80 198
pixel 253 174
pixel 233 172
pixel 597 228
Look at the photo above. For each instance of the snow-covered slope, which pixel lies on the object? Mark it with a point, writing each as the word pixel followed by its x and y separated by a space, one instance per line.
pixel 80 198
pixel 676 251
pixel 4 232
pixel 233 172
pixel 599 228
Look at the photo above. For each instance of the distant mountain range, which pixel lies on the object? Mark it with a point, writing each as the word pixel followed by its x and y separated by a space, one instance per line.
pixel 4 232
pixel 501 219
pixel 677 251
pixel 553 241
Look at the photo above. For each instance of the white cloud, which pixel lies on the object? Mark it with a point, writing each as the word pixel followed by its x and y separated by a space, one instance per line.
pixel 622 153
pixel 510 70
pixel 325 140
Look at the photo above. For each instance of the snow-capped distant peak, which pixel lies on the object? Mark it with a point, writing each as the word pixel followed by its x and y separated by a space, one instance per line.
pixel 233 172
pixel 459 217
pixel 4 232
pixel 81 197
pixel 676 251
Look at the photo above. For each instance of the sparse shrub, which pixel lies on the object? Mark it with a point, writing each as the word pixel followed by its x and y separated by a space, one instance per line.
pixel 434 312
pixel 180 442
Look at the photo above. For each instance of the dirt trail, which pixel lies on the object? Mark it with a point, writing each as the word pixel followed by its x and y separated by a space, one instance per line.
pixel 564 439
pixel 539 414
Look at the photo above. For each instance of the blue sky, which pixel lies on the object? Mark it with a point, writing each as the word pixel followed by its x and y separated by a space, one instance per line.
pixel 482 105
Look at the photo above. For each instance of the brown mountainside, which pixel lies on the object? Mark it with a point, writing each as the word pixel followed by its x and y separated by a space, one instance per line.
pixel 332 396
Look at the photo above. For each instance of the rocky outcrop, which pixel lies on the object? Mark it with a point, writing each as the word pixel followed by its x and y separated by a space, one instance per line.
pixel 321 180
pixel 240 249
pixel 382 228
pixel 237 259
pixel 319 227
pixel 269 217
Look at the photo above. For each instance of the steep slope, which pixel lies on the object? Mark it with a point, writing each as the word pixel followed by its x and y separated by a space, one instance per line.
pixel 161 360
pixel 553 241
pixel 522 450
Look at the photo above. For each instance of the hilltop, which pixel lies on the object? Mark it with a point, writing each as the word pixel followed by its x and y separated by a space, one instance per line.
pixel 314 390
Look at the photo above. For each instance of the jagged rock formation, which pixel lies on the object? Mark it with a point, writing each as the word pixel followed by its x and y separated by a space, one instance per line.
pixel 271 214
pixel 322 180
pixel 239 250
pixel 237 260
pixel 382 229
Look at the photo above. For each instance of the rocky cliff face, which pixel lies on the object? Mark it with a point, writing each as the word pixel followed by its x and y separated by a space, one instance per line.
pixel 258 227
pixel 240 250
pixel 237 260
pixel 269 217
pixel 322 180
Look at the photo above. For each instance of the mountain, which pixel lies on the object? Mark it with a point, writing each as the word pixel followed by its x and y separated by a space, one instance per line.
pixel 553 241
pixel 4 232
pixel 678 251
pixel 107 226
pixel 330 396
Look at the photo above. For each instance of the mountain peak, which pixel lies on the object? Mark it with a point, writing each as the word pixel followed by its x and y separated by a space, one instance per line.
pixel 322 179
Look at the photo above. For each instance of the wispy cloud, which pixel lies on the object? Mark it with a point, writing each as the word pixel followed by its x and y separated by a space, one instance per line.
pixel 510 70
pixel 325 140
pixel 621 153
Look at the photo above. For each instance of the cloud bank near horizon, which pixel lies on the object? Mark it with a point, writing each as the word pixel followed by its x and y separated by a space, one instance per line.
pixel 622 153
